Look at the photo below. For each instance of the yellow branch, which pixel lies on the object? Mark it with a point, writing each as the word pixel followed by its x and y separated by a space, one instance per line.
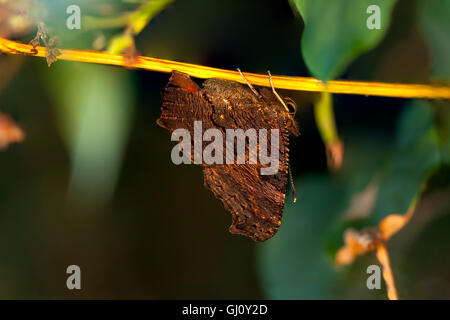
pixel 198 71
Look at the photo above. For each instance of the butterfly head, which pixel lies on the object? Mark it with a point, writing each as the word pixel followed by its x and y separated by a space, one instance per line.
pixel 287 112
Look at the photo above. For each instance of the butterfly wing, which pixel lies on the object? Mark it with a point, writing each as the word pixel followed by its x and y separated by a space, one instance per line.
pixel 256 204
pixel 183 104
pixel 255 201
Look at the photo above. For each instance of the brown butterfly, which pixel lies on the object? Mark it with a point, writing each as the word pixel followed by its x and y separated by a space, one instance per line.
pixel 255 201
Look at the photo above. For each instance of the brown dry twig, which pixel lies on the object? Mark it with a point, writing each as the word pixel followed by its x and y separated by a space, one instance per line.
pixel 375 240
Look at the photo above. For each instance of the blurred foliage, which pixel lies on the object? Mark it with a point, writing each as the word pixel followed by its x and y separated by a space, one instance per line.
pixel 414 157
pixel 326 124
pixel 95 117
pixel 135 23
pixel 93 183
pixel 399 174
pixel 434 18
pixel 335 32
pixel 443 127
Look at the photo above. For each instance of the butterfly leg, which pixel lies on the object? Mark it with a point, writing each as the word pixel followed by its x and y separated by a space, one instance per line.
pixel 276 93
pixel 249 84
pixel 291 181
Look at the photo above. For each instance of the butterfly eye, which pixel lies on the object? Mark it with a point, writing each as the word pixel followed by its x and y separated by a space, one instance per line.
pixel 291 105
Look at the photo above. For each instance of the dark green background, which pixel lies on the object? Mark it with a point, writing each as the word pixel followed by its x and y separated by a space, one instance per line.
pixel 159 233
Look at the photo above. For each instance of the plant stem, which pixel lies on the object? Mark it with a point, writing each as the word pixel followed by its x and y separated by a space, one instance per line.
pixel 199 71
pixel 383 257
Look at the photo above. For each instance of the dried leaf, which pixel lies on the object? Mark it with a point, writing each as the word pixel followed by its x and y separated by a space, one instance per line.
pixel 335 154
pixel 375 239
pixel 50 45
pixel 54 42
pixel 131 55
pixel 35 42
pixel 9 132
pixel 393 223
pixel 42 31
pixel 356 244
pixel 52 54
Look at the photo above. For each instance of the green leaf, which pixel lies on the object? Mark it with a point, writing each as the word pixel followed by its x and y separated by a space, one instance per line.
pixel 415 158
pixel 119 43
pixel 443 127
pixel 294 263
pixel 435 20
pixel 142 17
pixel 336 32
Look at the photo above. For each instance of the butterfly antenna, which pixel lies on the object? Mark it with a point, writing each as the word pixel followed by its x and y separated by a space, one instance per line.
pixel 276 93
pixel 249 84
pixel 291 181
